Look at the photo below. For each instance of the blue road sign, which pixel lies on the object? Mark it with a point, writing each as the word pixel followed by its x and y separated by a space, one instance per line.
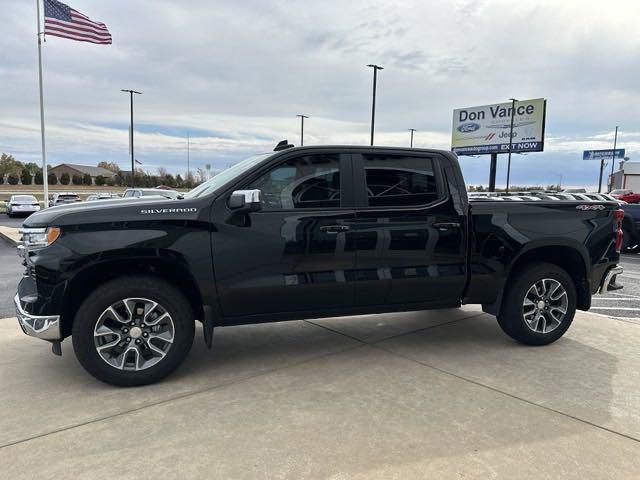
pixel 603 154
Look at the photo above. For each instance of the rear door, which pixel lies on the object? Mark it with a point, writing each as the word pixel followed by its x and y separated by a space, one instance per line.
pixel 296 254
pixel 409 239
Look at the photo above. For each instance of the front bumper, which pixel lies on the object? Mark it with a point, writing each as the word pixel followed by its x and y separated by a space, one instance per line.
pixel 45 327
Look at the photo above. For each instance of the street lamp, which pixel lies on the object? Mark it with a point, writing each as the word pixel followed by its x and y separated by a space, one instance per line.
pixel 302 117
pixel 373 104
pixel 513 108
pixel 411 130
pixel 613 157
pixel 131 92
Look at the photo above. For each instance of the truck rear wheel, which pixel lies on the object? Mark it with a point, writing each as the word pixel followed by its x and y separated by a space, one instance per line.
pixel 539 304
pixel 133 331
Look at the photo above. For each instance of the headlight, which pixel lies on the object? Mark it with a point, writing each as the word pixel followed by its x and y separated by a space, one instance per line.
pixel 34 238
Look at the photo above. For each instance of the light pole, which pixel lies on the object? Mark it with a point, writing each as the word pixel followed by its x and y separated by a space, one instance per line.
pixel 411 143
pixel 131 92
pixel 513 108
pixel 188 155
pixel 373 104
pixel 613 157
pixel 302 117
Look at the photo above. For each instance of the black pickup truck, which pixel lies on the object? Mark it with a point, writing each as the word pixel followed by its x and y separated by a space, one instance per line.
pixel 301 233
pixel 631 227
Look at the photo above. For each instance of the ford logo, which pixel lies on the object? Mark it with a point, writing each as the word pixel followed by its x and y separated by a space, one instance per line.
pixel 468 127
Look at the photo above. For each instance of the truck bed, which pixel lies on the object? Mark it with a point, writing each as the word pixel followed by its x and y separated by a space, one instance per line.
pixel 504 228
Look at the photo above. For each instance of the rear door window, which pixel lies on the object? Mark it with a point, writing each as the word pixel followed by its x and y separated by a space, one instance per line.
pixel 399 180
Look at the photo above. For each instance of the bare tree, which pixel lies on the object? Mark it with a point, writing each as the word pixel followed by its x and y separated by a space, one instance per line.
pixel 110 166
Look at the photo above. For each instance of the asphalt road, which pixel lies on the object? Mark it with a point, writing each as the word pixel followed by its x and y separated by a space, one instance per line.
pixel 10 274
pixel 622 304
pixel 15 222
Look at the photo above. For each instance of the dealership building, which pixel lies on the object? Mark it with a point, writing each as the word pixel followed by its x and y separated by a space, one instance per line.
pixel 81 170
pixel 627 176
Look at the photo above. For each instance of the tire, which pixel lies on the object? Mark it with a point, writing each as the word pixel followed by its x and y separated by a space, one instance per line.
pixel 152 351
pixel 532 324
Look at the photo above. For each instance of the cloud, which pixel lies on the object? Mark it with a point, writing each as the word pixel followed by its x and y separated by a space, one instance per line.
pixel 235 74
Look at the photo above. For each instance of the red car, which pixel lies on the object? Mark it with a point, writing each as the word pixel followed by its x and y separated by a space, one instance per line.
pixel 625 195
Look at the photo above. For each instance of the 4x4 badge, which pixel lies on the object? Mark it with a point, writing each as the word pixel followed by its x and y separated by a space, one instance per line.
pixel 590 207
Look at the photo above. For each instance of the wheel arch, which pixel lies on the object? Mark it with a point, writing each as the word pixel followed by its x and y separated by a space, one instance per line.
pixel 172 270
pixel 571 259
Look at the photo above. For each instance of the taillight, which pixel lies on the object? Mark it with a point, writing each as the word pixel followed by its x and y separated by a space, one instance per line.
pixel 618 215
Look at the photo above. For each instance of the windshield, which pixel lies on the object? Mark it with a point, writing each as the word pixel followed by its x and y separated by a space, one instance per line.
pixel 226 176
pixel 23 198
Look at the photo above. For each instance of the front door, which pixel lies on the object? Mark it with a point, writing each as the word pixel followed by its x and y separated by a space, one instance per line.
pixel 410 240
pixel 296 253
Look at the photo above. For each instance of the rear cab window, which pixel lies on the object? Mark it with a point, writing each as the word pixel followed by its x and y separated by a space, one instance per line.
pixel 398 180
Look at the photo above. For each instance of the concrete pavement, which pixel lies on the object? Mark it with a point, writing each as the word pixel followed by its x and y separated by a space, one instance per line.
pixel 10 235
pixel 441 394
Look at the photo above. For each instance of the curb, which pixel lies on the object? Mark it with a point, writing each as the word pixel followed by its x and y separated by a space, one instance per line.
pixel 8 239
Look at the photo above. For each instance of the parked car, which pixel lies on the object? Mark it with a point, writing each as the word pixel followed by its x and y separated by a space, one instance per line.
pixel 63 198
pixel 22 204
pixel 150 192
pixel 303 233
pixel 626 195
pixel 102 196
pixel 604 197
pixel 631 227
pixel 574 190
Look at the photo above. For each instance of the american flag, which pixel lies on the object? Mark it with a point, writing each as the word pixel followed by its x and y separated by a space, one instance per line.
pixel 63 21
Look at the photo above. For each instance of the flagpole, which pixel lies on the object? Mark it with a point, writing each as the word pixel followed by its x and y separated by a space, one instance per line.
pixel 45 176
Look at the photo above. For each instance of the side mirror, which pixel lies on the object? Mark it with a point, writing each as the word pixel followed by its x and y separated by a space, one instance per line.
pixel 245 200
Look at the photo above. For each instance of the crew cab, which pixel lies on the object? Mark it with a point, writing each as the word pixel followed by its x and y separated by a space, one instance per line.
pixel 303 233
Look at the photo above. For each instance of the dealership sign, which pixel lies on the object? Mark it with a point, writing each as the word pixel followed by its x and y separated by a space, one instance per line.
pixel 603 154
pixel 486 129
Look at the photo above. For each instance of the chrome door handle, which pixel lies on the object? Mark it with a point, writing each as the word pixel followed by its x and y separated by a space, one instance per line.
pixel 334 228
pixel 446 225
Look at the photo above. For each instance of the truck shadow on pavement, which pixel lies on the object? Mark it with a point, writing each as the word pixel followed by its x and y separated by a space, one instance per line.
pixel 570 376
pixel 315 402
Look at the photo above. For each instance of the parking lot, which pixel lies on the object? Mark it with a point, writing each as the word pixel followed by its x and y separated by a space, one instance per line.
pixel 442 394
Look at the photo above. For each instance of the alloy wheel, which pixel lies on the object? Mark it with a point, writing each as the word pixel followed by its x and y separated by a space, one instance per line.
pixel 545 305
pixel 134 334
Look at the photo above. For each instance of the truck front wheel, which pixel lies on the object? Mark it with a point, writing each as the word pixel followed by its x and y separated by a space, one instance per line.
pixel 133 330
pixel 539 304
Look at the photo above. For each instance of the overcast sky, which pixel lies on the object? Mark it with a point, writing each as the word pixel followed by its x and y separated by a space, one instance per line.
pixel 235 73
